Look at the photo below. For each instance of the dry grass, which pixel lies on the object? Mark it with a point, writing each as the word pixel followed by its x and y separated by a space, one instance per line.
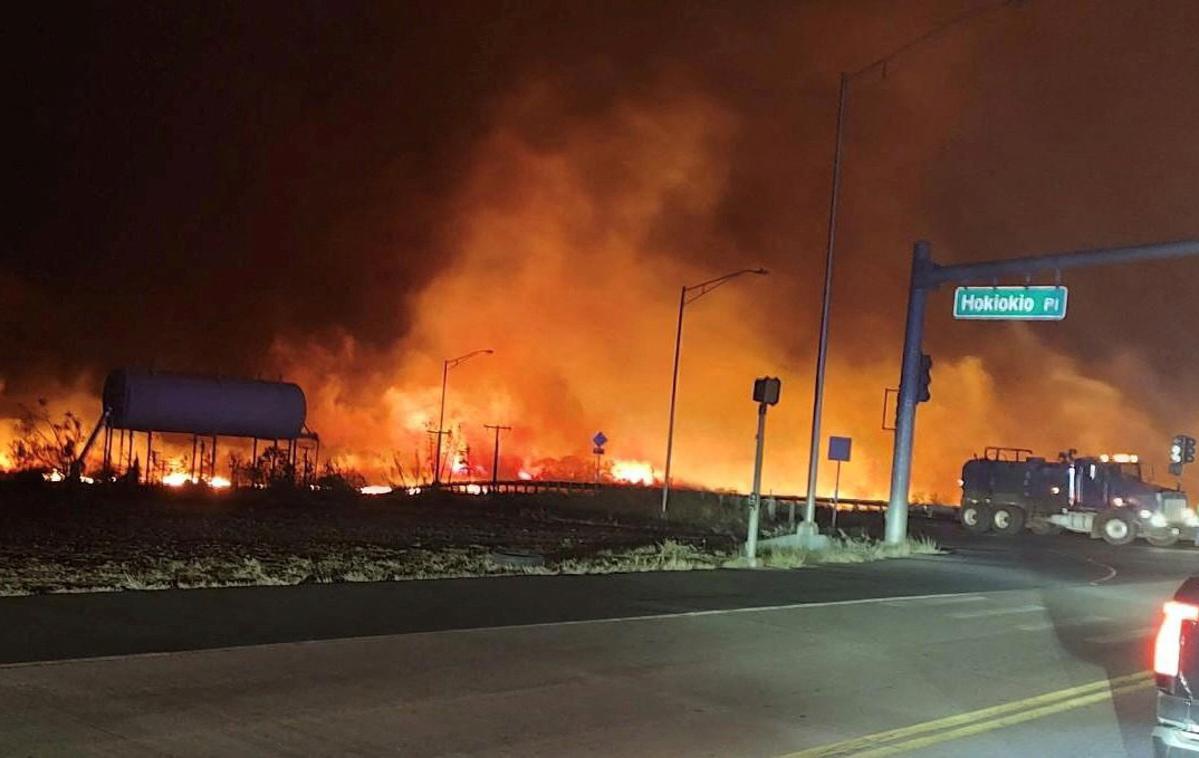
pixel 381 564
pixel 848 550
pixel 666 556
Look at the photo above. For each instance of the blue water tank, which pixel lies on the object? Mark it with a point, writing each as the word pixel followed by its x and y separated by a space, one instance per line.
pixel 155 401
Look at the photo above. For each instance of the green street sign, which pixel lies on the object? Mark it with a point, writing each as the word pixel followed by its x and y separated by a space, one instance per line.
pixel 1039 303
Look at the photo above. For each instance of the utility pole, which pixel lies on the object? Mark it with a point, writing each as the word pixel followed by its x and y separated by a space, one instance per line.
pixel 495 457
pixel 927 276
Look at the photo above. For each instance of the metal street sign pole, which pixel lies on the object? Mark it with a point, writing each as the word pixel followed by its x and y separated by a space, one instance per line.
pixel 926 276
pixel 836 496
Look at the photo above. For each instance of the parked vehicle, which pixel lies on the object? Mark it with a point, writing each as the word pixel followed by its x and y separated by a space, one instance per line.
pixel 1176 671
pixel 1008 490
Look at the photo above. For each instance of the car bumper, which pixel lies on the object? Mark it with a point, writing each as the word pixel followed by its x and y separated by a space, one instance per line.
pixel 1171 742
pixel 1177 732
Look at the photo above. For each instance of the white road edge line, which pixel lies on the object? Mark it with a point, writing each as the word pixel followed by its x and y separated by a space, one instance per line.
pixel 500 628
pixel 997 612
pixel 942 600
pixel 1111 572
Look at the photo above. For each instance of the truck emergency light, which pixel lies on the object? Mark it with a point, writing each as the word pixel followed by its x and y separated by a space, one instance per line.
pixel 1168 647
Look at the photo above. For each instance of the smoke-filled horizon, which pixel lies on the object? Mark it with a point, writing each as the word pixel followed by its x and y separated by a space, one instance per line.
pixel 346 196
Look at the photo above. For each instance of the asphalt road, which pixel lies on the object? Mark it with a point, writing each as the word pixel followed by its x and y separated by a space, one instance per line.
pixel 1029 646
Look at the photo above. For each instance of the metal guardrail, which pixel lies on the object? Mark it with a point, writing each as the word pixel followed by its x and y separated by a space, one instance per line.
pixel 537 486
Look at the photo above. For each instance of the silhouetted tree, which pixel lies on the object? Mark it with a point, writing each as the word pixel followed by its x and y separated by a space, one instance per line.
pixel 45 444
pixel 340 479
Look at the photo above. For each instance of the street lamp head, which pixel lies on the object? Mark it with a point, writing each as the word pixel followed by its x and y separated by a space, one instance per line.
pixel 760 271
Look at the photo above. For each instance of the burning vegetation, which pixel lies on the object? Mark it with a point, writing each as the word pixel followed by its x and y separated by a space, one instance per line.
pixel 355 238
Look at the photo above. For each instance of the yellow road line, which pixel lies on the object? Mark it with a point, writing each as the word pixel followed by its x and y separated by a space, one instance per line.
pixel 1015 718
pixel 972 720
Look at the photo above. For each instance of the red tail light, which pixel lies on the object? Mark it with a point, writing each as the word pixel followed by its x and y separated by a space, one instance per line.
pixel 1169 637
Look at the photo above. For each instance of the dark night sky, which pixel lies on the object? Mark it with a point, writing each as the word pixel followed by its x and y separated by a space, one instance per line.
pixel 191 182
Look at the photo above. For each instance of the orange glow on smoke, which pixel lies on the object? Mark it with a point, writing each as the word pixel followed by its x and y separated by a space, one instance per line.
pixel 564 255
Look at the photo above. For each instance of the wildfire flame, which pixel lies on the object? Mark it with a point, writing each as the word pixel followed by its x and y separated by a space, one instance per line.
pixel 633 472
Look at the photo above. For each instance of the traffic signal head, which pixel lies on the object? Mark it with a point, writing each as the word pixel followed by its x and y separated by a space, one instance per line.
pixel 1182 450
pixel 925 378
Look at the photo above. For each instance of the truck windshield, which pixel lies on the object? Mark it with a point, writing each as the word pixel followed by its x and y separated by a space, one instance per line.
pixel 1130 470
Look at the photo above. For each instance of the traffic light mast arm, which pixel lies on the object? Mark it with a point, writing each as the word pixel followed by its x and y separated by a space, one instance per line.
pixel 932 275
pixel 926 276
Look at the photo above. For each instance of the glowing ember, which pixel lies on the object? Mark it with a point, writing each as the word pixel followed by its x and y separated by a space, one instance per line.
pixel 633 472
pixel 375 489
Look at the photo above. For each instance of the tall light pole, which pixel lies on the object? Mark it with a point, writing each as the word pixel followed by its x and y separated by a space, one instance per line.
pixel 446 365
pixel 808 527
pixel 688 295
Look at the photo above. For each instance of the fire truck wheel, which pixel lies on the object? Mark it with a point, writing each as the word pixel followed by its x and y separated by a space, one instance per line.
pixel 1162 537
pixel 1116 527
pixel 1007 520
pixel 976 518
pixel 1044 528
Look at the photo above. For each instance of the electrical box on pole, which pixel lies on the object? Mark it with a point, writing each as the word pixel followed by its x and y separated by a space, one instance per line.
pixel 766 390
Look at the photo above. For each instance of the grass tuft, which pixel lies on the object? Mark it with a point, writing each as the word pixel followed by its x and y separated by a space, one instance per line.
pixel 848 550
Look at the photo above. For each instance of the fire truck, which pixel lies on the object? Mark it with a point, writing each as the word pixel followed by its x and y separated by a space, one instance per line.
pixel 1009 489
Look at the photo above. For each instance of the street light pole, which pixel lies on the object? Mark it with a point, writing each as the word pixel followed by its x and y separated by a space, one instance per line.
pixel 808 527
pixel 674 390
pixel 688 295
pixel 446 365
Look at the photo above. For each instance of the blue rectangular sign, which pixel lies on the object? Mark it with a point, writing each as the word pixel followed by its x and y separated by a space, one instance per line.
pixel 838 448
